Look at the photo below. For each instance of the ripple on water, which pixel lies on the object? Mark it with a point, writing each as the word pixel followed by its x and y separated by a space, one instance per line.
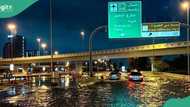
pixel 151 93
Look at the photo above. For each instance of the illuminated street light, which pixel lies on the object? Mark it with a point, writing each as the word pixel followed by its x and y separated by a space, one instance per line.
pixel 82 33
pixel 56 52
pixel 39 42
pixel 44 46
pixel 82 36
pixel 39 46
pixel 12 28
pixel 185 6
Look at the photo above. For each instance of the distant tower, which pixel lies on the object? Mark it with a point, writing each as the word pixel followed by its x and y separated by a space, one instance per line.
pixel 7 50
pixel 18 44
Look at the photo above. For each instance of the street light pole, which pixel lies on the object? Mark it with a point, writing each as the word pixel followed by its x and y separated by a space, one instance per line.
pixel 12 28
pixel 51 31
pixel 39 48
pixel 39 45
pixel 90 47
pixel 188 60
pixel 186 5
pixel 82 34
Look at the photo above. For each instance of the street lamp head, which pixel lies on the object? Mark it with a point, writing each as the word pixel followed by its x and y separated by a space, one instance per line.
pixel 82 33
pixel 185 5
pixel 43 45
pixel 11 27
pixel 56 52
pixel 38 40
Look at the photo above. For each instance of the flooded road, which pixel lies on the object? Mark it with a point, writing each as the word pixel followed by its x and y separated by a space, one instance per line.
pixel 153 92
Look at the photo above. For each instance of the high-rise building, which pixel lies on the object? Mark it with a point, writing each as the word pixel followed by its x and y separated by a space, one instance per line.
pixel 7 50
pixel 15 47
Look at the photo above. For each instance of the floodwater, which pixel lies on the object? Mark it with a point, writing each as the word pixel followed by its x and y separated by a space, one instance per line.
pixel 153 92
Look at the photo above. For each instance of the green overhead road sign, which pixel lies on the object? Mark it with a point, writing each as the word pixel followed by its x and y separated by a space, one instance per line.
pixel 10 8
pixel 125 19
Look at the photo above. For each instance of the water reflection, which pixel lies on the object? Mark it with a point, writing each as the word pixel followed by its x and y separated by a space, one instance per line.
pixel 64 92
pixel 11 91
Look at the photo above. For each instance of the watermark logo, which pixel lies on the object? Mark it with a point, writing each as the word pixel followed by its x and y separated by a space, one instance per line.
pixel 5 8
pixel 10 8
pixel 185 102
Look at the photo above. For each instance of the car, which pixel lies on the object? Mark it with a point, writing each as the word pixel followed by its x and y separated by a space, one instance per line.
pixel 134 70
pixel 114 76
pixel 135 76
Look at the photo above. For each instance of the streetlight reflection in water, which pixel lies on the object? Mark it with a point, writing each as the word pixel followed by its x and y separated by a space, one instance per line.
pixel 67 81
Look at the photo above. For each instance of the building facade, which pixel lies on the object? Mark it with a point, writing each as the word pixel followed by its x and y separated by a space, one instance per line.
pixel 7 50
pixel 30 53
pixel 14 47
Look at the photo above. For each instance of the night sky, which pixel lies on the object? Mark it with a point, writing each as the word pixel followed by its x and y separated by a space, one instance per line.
pixel 72 16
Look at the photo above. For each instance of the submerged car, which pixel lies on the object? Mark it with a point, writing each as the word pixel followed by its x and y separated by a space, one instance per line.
pixel 135 76
pixel 114 76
